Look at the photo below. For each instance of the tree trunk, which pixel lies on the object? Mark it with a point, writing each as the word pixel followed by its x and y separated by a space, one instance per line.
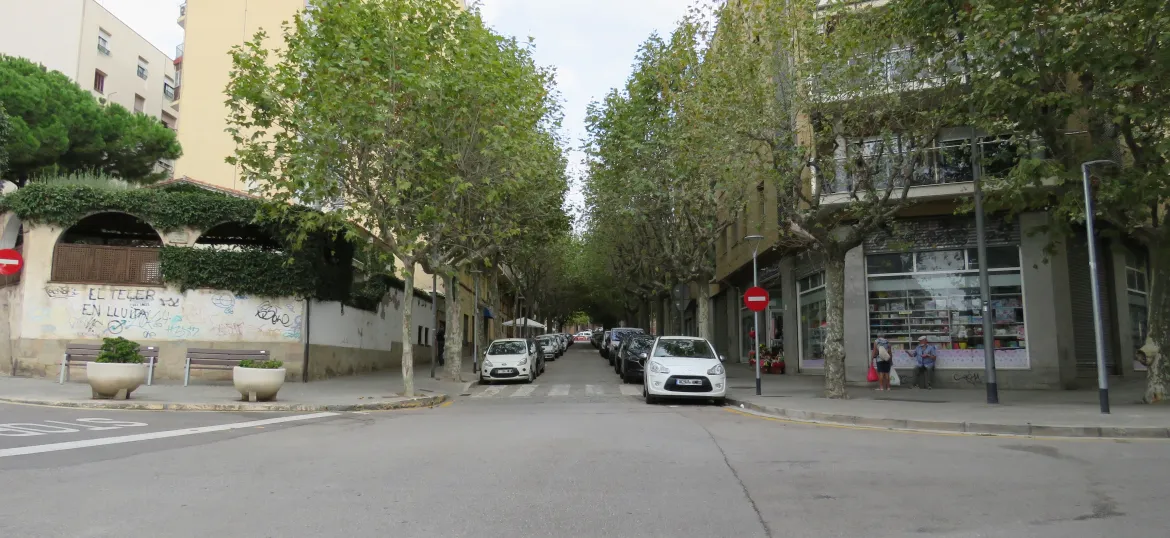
pixel 834 347
pixel 407 333
pixel 515 310
pixel 704 320
pixel 454 339
pixel 1152 354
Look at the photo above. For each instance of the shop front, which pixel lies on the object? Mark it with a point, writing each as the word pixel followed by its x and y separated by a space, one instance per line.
pixel 935 294
pixel 813 318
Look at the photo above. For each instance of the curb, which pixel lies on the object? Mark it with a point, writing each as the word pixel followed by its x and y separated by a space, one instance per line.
pixel 412 403
pixel 972 428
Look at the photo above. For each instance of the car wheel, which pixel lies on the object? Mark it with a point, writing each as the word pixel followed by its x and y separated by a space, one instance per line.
pixel 531 376
pixel 483 381
pixel 719 402
pixel 650 400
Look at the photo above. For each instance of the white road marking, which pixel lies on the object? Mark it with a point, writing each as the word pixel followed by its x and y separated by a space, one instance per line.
pixel 488 392
pixel 594 390
pixel 631 390
pixel 524 391
pixel 71 445
pixel 559 390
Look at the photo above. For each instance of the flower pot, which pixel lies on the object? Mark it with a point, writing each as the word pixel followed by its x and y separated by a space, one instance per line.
pixel 258 384
pixel 107 379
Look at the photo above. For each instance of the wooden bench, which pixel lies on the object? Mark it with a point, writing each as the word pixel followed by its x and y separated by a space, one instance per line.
pixel 219 359
pixel 77 354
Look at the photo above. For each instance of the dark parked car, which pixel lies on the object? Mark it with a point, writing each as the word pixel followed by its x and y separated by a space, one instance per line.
pixel 610 345
pixel 595 338
pixel 632 357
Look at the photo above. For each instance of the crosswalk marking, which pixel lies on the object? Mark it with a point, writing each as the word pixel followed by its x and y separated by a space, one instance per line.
pixel 518 390
pixel 524 391
pixel 488 392
pixel 559 390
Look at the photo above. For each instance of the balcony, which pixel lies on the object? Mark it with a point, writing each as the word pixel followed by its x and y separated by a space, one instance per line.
pixel 179 53
pixel 183 15
pixel 946 169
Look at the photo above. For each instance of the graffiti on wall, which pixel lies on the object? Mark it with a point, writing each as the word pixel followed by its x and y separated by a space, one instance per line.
pixel 163 314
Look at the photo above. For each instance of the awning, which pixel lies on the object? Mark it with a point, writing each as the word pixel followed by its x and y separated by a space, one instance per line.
pixel 519 322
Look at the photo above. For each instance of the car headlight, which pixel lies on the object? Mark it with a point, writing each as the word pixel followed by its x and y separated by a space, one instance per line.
pixel 522 362
pixel 487 363
pixel 716 370
pixel 658 368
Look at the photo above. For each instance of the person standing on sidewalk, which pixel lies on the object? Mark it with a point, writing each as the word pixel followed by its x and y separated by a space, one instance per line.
pixel 926 354
pixel 883 356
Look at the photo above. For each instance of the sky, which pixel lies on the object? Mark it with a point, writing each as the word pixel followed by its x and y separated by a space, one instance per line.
pixel 591 43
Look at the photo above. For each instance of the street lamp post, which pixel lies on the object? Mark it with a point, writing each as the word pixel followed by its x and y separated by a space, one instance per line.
pixel 1098 329
pixel 755 239
pixel 475 326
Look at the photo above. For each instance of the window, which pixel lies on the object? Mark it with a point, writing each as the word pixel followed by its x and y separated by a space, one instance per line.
pixel 936 295
pixel 509 347
pixel 814 320
pixel 168 121
pixel 466 329
pixel 139 104
pixel 1136 287
pixel 143 68
pixel 99 81
pixel 169 88
pixel 103 42
pixel 421 341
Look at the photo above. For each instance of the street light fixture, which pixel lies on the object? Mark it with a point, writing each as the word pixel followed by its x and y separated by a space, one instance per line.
pixel 755 240
pixel 475 325
pixel 1098 328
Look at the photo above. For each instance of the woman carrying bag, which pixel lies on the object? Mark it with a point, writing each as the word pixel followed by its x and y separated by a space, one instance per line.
pixel 883 359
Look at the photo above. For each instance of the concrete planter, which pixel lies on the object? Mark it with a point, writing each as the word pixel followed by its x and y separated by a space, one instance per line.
pixel 107 379
pixel 258 384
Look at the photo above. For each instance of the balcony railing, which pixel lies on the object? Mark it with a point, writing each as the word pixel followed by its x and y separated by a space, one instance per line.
pixel 179 51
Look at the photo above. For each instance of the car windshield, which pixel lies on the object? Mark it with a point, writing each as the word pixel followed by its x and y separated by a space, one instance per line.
pixel 506 348
pixel 617 335
pixel 640 344
pixel 691 349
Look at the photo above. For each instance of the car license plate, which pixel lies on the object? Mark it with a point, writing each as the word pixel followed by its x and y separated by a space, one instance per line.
pixel 689 381
pixel 505 371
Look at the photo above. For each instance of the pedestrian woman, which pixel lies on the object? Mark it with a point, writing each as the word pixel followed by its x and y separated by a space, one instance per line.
pixel 883 357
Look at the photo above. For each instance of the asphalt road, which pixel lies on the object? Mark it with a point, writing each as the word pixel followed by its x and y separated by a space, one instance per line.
pixel 559 463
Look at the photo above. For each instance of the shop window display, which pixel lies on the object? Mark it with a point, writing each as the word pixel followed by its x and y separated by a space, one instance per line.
pixel 813 320
pixel 936 294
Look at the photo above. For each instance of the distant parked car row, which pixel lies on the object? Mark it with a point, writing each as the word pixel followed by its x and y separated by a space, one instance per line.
pixel 521 359
pixel 667 366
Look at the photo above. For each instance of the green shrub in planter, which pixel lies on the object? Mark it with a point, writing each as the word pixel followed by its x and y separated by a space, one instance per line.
pixel 263 365
pixel 119 350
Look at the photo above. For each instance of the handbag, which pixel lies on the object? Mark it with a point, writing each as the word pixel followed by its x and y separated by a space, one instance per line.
pixel 872 375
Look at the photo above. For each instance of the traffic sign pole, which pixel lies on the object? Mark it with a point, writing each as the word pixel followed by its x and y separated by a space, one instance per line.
pixel 756 318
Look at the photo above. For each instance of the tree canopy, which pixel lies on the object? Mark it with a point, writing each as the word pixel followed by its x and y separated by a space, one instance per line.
pixel 56 127
pixel 410 121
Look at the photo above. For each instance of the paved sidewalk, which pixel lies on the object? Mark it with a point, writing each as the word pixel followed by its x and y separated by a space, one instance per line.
pixel 1058 413
pixel 372 391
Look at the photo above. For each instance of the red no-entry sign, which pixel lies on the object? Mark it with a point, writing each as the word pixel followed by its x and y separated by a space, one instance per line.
pixel 756 299
pixel 10 262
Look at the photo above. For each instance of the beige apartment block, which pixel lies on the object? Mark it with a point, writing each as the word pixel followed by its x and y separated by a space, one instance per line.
pixel 91 46
pixel 213 27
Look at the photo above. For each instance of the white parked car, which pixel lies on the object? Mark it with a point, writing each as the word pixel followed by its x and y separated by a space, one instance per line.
pixel 684 367
pixel 510 359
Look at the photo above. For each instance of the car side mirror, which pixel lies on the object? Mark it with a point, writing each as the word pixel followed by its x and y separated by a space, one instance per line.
pixel 643 356
pixel 722 358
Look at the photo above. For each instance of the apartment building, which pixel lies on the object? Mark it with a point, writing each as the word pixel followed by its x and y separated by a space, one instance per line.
pixel 91 46
pixel 922 279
